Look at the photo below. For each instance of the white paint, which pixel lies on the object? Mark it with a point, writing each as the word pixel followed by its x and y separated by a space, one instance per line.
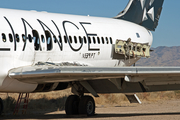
pixel 142 3
pixel 144 15
pixel 151 13
pixel 103 27
pixel 151 2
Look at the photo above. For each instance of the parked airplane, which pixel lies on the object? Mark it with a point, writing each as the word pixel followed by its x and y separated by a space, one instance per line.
pixel 41 52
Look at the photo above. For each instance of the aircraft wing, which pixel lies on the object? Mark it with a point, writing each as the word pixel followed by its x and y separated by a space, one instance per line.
pixel 50 74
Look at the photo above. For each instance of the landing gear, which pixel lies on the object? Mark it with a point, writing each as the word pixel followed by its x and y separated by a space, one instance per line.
pixel 71 105
pixel 80 105
pixel 87 106
pixel 1 106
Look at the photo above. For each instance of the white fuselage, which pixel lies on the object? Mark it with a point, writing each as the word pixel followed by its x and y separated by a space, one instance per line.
pixel 73 47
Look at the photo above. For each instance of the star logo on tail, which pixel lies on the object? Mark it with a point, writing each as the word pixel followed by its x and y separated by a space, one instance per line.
pixel 150 12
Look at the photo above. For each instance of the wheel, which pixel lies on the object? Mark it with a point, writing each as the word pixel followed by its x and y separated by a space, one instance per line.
pixel 1 106
pixel 87 106
pixel 71 105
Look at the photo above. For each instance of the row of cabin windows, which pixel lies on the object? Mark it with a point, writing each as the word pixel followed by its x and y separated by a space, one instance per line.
pixel 90 40
pixel 74 39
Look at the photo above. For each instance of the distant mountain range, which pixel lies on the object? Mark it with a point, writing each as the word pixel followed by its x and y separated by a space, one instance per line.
pixel 162 56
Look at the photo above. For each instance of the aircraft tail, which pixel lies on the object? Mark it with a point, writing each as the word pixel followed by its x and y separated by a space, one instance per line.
pixel 143 12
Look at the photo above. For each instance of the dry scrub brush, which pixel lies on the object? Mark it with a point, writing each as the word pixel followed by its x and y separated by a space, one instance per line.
pixel 55 100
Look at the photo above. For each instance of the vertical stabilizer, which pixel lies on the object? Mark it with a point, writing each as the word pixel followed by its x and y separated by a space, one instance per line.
pixel 143 12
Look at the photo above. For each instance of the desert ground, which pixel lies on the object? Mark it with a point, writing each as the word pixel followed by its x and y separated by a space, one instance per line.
pixel 157 105
pixel 161 110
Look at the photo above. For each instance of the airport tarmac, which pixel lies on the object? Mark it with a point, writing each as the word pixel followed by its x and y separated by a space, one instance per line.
pixel 161 110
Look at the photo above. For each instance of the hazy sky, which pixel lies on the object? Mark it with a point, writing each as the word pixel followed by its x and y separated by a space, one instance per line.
pixel 166 34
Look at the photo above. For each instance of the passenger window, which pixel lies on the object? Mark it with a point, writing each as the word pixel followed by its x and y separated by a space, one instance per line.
pixel 17 37
pixel 70 39
pixel 89 40
pixel 80 39
pixel 30 38
pixel 65 39
pixel 98 39
pixel 94 40
pixel 23 37
pixel 3 37
pixel 10 37
pixel 42 39
pixel 48 40
pixel 85 41
pixel 102 40
pixel 110 40
pixel 107 41
pixel 36 40
pixel 75 39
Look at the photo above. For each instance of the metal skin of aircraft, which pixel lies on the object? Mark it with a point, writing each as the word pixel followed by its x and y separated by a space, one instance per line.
pixel 41 52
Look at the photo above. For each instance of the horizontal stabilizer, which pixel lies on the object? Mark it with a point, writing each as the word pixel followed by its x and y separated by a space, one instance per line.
pixel 133 98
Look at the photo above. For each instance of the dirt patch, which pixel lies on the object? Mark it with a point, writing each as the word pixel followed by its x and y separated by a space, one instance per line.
pixel 165 110
pixel 51 105
pixel 55 100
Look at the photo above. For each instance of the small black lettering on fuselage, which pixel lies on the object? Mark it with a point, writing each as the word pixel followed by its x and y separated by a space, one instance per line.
pixel 88 55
